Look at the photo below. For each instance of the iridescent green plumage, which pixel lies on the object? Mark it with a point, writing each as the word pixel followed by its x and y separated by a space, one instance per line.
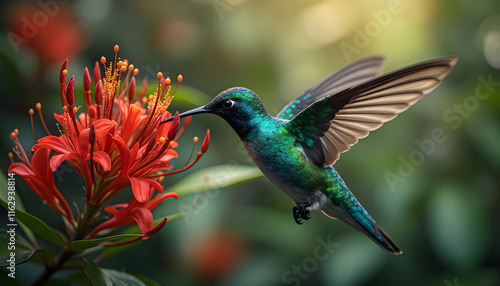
pixel 296 149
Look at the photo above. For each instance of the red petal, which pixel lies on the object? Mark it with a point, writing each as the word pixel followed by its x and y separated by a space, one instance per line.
pixel 152 204
pixel 20 169
pixel 124 153
pixel 154 184
pixel 103 159
pixel 40 165
pixel 156 229
pixel 84 142
pixel 57 160
pixel 54 143
pixel 143 217
pixel 102 127
pixel 140 188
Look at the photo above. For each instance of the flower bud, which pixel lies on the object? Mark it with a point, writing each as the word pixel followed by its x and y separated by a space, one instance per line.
pixel 70 91
pixel 131 90
pixel 97 73
pixel 86 80
pixel 98 93
pixel 92 135
pixel 174 127
pixel 206 141
pixel 62 78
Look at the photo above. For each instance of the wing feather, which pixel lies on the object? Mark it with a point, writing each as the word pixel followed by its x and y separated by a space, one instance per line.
pixel 340 120
pixel 351 75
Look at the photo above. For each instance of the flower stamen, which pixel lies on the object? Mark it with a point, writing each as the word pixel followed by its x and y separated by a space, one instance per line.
pixel 31 112
pixel 38 107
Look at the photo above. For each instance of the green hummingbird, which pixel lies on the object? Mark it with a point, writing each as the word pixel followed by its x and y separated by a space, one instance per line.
pixel 297 148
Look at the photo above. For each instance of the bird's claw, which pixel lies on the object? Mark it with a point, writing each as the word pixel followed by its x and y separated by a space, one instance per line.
pixel 301 212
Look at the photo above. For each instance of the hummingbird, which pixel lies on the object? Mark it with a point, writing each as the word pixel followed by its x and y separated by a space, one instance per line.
pixel 296 148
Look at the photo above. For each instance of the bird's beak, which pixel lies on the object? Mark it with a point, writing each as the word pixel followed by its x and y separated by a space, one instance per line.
pixel 188 113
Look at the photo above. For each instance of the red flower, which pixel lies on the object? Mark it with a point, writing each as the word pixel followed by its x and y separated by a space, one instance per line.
pixel 51 31
pixel 77 151
pixel 115 142
pixel 133 213
pixel 40 178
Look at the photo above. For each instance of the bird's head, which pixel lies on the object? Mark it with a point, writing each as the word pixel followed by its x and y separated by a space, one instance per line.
pixel 239 106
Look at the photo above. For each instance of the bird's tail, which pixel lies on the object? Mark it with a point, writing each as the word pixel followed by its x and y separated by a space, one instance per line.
pixel 359 218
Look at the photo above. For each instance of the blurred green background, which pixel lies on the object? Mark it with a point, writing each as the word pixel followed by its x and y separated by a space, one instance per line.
pixel 442 208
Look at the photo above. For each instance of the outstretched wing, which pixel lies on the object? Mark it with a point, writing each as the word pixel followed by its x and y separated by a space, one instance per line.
pixel 349 76
pixel 333 124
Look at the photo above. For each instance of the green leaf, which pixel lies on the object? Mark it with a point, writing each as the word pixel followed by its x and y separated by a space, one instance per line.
pixel 36 225
pixel 19 257
pixel 213 178
pixel 21 248
pixel 79 277
pixel 109 277
pixel 6 280
pixel 47 253
pixel 114 277
pixel 147 281
pixel 14 245
pixel 19 205
pixel 94 273
pixel 110 251
pixel 86 244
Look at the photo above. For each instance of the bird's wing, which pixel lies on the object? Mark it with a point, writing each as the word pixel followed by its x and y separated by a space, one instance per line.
pixel 349 76
pixel 333 124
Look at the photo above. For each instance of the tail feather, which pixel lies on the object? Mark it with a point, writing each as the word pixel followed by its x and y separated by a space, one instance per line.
pixel 379 236
pixel 359 218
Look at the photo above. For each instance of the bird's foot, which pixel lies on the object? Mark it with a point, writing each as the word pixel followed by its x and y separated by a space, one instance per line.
pixel 301 212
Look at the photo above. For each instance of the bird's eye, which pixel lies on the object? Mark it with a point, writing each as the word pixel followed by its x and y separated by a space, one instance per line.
pixel 228 104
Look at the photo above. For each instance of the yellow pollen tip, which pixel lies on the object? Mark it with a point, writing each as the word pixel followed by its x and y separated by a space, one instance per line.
pixel 31 111
pixel 171 144
pixel 65 73
pixel 131 67
pixel 65 108
pixel 159 75
pixel 16 131
pixel 162 140
pixel 160 179
pixel 38 106
pixel 13 135
pixel 116 48
pixel 195 140
pixel 180 78
pixel 103 60
pixel 123 69
pixel 167 81
pixel 75 110
pixel 125 61
pixel 136 72
pixel 144 100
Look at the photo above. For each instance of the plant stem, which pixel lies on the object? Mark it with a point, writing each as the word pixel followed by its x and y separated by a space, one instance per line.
pixel 64 256
pixel 81 231
pixel 84 224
